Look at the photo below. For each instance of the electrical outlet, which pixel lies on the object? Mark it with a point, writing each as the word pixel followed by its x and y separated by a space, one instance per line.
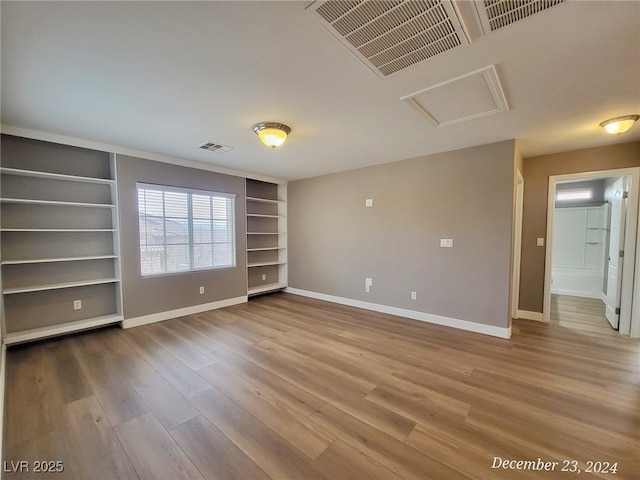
pixel 368 202
pixel 446 242
pixel 264 277
pixel 368 283
pixel 201 290
pixel 413 295
pixel 77 304
pixel 540 242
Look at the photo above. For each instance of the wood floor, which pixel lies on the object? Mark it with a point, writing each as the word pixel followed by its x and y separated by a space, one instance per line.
pixel 580 313
pixel 291 388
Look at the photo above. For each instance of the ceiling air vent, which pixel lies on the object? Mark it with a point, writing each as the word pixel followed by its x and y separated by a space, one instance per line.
pixel 495 14
pixel 215 147
pixel 389 36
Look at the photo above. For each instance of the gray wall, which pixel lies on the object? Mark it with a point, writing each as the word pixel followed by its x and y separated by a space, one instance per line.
pixel 537 171
pixel 335 241
pixel 148 295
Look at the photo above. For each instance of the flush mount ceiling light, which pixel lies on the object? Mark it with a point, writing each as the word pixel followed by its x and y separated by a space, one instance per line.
pixel 272 134
pixel 619 124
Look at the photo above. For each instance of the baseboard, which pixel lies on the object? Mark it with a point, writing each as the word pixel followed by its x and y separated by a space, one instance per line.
pixel 524 314
pixel 180 312
pixel 3 363
pixel 402 312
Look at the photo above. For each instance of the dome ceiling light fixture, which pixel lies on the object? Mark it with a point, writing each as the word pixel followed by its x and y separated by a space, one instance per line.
pixel 619 125
pixel 272 134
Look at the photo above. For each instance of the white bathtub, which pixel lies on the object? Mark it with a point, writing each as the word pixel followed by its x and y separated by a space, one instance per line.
pixel 580 282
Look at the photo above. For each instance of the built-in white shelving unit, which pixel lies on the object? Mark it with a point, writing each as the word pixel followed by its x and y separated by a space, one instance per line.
pixel 60 244
pixel 266 237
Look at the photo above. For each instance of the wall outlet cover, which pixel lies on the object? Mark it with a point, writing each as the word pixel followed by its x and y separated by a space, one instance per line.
pixel 446 242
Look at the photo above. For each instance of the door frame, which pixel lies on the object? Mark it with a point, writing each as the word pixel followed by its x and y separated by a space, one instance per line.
pixel 517 245
pixel 630 316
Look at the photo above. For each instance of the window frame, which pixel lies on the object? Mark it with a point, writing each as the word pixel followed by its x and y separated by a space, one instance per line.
pixel 190 192
pixel 564 196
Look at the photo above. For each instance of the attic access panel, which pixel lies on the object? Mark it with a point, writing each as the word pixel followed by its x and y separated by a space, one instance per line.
pixel 470 96
pixel 391 35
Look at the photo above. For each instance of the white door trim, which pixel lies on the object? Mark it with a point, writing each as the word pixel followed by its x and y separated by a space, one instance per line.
pixel 517 245
pixel 629 318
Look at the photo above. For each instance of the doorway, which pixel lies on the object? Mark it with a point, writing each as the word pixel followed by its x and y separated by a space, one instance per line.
pixel 590 259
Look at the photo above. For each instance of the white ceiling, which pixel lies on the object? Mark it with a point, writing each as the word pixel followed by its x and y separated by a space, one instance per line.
pixel 165 77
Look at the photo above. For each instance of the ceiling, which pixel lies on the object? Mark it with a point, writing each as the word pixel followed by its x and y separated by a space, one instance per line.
pixel 166 77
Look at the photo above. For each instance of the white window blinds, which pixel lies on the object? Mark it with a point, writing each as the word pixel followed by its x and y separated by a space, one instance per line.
pixel 183 230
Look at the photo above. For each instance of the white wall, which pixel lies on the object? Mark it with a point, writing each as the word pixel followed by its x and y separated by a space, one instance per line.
pixel 579 238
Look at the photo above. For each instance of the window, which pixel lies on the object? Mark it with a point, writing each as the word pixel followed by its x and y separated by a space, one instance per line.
pixel 573 195
pixel 183 230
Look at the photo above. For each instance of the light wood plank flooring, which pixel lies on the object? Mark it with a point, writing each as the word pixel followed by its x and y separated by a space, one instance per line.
pixel 286 387
pixel 580 313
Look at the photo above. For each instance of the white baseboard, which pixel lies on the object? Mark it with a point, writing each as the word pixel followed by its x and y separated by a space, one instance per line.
pixel 180 312
pixel 524 314
pixel 3 363
pixel 402 312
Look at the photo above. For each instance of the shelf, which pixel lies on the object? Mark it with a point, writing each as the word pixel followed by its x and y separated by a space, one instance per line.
pixel 57 286
pixel 266 288
pixel 49 331
pixel 58 230
pixel 60 233
pixel 28 201
pixel 260 215
pixel 56 176
pixel 61 259
pixel 263 200
pixel 266 201
pixel 265 264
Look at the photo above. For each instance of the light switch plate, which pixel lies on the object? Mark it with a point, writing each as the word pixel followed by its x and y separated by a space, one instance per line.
pixel 540 242
pixel 368 202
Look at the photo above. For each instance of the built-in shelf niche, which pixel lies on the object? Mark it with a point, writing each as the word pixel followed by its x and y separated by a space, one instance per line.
pixel 60 240
pixel 266 237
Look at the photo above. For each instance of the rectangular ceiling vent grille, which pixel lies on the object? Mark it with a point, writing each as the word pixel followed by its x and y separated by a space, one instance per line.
pixel 500 13
pixel 389 36
pixel 215 147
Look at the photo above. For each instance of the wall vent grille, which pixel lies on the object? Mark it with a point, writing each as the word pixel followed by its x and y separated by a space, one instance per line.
pixel 215 147
pixel 500 13
pixel 389 36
